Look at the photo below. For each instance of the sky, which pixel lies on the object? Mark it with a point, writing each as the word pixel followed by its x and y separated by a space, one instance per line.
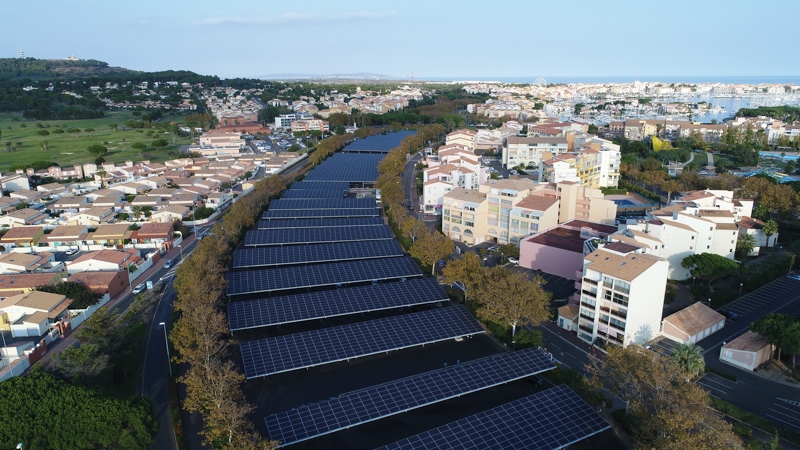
pixel 431 39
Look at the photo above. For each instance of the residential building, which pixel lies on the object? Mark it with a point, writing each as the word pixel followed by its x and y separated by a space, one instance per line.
pixel 529 151
pixel 104 260
pixel 34 313
pixel 22 217
pixel 622 297
pixel 560 249
pixel 64 237
pixel 464 137
pixel 462 211
pixel 453 166
pixel 16 262
pixel 309 125
pixel 111 282
pixel 93 216
pixel 22 237
pixel 109 235
pixel 156 235
pixel 11 285
pixel 14 182
pixel 755 228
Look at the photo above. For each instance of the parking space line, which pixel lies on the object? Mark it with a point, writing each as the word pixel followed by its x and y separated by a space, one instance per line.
pixel 711 387
pixel 781 420
pixel 706 378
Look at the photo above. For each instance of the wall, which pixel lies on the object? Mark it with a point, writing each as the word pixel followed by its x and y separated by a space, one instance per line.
pixel 552 260
pixel 646 304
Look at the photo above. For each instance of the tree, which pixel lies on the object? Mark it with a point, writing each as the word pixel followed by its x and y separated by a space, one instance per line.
pixel 770 228
pixel 139 146
pixel 745 244
pixel 43 145
pixel 83 364
pixel 509 250
pixel 159 143
pixel 468 270
pixel 781 330
pixel 82 297
pixel 413 227
pixel 665 411
pixel 58 132
pixel 94 420
pixel 669 187
pixel 113 126
pixel 43 133
pixel 709 266
pixel 514 299
pixel 90 131
pixel 97 150
pixel 430 248
pixel 690 361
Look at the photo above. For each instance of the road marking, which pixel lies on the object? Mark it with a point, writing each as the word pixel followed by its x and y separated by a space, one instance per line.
pixel 791 402
pixel 717 382
pixel 711 387
pixel 781 420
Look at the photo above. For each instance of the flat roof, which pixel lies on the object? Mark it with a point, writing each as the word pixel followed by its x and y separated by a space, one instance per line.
pixel 560 237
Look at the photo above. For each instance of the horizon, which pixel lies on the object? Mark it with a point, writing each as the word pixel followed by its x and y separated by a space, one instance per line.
pixel 248 39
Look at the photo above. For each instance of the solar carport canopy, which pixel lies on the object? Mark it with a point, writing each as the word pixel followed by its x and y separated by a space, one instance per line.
pixel 551 419
pixel 320 223
pixel 264 312
pixel 325 274
pixel 314 253
pixel 354 408
pixel 328 345
pixel 259 238
pixel 319 213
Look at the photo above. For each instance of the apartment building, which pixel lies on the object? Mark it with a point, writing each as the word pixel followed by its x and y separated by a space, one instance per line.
pixel 454 166
pixel 464 138
pixel 622 296
pixel 595 164
pixel 529 151
pixel 309 125
pixel 509 210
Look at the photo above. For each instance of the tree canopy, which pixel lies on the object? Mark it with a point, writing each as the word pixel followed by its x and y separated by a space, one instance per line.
pixel 43 412
pixel 513 299
pixel 782 330
pixel 666 411
pixel 709 266
pixel 82 297
pixel 97 150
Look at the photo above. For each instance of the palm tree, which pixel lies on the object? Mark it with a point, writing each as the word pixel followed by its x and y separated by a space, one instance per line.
pixel 689 358
pixel 770 228
pixel 745 244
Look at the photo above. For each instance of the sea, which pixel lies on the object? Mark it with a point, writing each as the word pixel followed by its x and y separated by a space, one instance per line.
pixel 692 79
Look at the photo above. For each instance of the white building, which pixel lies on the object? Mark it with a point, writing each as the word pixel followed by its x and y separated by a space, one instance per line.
pixel 455 166
pixel 529 151
pixel 622 297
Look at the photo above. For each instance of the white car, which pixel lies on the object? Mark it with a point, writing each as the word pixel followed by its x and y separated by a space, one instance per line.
pixel 71 251
pixel 513 260
pixel 139 288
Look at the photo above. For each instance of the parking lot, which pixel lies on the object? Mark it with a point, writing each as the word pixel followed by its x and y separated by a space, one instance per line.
pixel 766 299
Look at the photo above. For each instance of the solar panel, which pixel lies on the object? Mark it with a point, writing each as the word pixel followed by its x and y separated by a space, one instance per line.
pixel 320 223
pixel 331 303
pixel 551 419
pixel 350 167
pixel 376 402
pixel 316 185
pixel 328 345
pixel 324 274
pixel 312 194
pixel 321 203
pixel 320 213
pixel 381 143
pixel 314 253
pixel 280 236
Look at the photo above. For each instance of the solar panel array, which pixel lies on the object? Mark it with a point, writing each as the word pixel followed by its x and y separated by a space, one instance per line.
pixel 319 203
pixel 315 253
pixel 319 213
pixel 354 408
pixel 312 193
pixel 381 143
pixel 280 236
pixel 551 419
pixel 320 223
pixel 350 167
pixel 315 185
pixel 324 274
pixel 328 345
pixel 331 303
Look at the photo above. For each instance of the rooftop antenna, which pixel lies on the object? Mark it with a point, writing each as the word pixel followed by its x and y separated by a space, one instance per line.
pixel 21 54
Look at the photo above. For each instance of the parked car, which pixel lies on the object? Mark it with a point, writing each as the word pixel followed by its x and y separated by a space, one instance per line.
pixel 732 316
pixel 492 249
pixel 139 288
pixel 513 260
pixel 71 251
pixel 169 263
pixel 534 380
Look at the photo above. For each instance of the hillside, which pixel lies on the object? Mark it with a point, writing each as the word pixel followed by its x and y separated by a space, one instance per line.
pixel 14 68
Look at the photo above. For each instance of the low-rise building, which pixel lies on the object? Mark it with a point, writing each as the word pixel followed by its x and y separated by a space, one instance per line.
pixel 11 285
pixel 104 260
pixel 529 151
pixel 22 237
pixel 110 282
pixel 22 217
pixel 66 237
pixel 33 313
pixel 16 262
pixel 692 324
pixel 747 351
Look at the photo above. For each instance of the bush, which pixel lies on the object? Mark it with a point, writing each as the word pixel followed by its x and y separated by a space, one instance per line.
pixel 575 381
pixel 742 430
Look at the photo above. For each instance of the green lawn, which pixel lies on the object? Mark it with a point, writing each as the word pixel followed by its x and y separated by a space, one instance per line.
pixel 701 159
pixel 67 149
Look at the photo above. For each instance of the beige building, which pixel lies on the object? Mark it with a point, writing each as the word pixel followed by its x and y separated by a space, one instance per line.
pixel 529 151
pixel 464 138
pixel 504 211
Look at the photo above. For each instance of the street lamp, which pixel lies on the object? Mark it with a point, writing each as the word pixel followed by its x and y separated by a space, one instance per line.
pixel 692 281
pixel 740 289
pixel 166 344
pixel 709 303
pixel 181 249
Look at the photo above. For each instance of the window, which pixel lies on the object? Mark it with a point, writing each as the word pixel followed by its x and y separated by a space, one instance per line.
pixel 692 237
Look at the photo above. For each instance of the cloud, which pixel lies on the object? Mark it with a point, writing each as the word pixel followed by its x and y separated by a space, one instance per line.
pixel 292 18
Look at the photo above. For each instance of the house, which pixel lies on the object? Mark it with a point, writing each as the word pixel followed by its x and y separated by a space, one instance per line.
pixel 463 137
pixel 22 237
pixel 568 317
pixel 104 260
pixel 747 351
pixel 217 199
pixel 8 204
pixel 15 262
pixel 92 216
pixel 692 324
pixel 160 235
pixel 170 213
pixel 109 235
pixel 622 297
pixel 66 237
pixel 33 313
pixel 110 282
pixel 22 217
pixel 18 284
pixel 71 204
pixel 130 188
pixel 14 182
pixel 755 228
pixel 94 195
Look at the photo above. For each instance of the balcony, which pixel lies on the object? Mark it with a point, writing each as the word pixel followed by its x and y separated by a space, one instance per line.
pixel 585 317
pixel 592 294
pixel 587 306
pixel 586 329
pixel 617 312
pixel 590 281
pixel 613 325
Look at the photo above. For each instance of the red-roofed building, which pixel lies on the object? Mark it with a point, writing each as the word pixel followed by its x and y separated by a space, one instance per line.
pixel 111 283
pixel 560 250
pixel 103 260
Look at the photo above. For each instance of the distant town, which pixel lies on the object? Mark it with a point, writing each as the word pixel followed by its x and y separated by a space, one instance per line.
pixel 380 236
